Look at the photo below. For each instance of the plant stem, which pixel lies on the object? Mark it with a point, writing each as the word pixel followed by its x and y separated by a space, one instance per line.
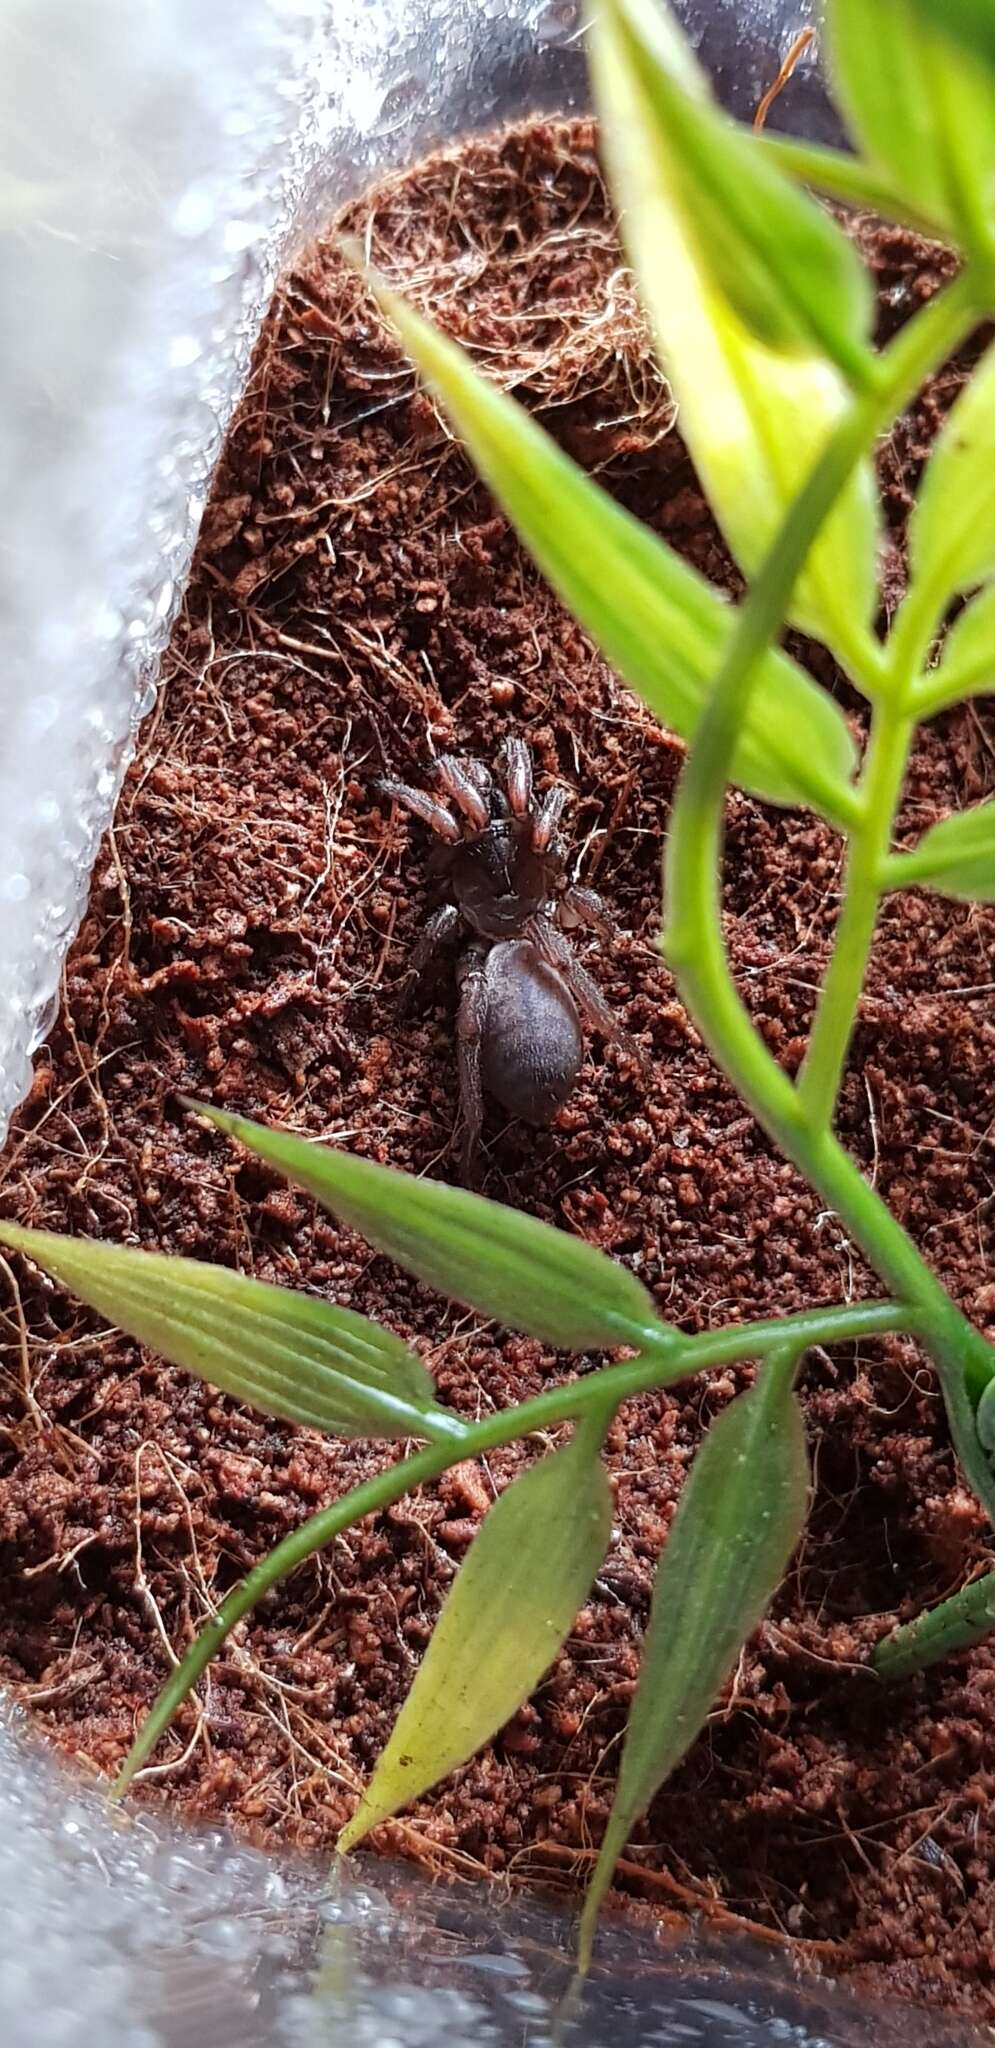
pixel 596 1396
pixel 957 1623
pixel 881 787
pixel 694 940
pixel 865 881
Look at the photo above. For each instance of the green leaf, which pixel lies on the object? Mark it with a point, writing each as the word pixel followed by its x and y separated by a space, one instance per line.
pixel 738 1521
pixel 921 108
pixel 967 664
pixel 984 1416
pixel 780 260
pixel 509 1610
pixel 286 1354
pixel 659 623
pixel 841 175
pixel 971 23
pixel 956 858
pixel 755 419
pixel 952 528
pixel 522 1272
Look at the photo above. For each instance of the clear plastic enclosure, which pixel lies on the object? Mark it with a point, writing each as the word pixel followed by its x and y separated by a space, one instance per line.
pixel 158 162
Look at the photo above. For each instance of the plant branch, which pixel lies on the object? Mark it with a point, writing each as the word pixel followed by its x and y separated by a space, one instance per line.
pixel 694 941
pixel 881 785
pixel 593 1398
pixel 892 730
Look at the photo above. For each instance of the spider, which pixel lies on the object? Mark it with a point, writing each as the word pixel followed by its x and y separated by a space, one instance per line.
pixel 523 992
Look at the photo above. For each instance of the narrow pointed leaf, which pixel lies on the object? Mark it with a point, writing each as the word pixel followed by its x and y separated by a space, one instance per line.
pixel 956 858
pixel 841 175
pixel 659 623
pixel 985 1420
pixel 503 1264
pixel 952 529
pixel 920 104
pixel 286 1354
pixel 970 23
pixel 755 418
pixel 739 1518
pixel 780 260
pixel 509 1610
pixel 967 664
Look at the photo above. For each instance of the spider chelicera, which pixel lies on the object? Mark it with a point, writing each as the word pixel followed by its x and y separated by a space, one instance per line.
pixel 503 874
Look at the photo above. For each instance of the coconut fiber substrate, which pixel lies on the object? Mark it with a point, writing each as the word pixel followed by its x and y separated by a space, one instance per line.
pixel 358 602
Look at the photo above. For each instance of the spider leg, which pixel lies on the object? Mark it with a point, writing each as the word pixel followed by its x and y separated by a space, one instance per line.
pixel 547 817
pixel 437 928
pixel 424 807
pixel 470 1028
pixel 515 764
pixel 460 782
pixel 479 774
pixel 590 1001
pixel 586 907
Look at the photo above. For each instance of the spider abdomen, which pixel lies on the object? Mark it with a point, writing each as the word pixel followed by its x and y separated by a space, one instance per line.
pixel 531 1046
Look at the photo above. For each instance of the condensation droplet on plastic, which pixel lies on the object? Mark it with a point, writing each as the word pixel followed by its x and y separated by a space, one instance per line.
pixel 184 349
pixel 402 98
pixel 237 122
pixel 105 622
pixel 196 208
pixel 42 714
pixel 557 21
pixel 240 234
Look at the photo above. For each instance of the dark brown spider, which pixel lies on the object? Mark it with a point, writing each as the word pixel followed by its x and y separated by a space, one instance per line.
pixel 522 989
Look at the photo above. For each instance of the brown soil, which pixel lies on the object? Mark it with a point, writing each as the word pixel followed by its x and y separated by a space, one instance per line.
pixel 357 599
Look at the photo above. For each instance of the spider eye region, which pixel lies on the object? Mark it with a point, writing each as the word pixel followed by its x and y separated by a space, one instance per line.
pixel 497 880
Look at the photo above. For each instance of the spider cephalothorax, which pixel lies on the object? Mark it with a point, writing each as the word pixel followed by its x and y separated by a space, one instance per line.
pixel 502 873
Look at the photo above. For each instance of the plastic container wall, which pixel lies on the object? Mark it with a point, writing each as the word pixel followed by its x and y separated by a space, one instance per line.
pixel 157 161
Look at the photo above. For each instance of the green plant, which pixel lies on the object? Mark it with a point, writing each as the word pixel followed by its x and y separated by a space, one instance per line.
pixel 762 314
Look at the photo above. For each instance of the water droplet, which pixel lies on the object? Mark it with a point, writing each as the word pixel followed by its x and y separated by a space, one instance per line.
pixel 183 350
pixel 43 713
pixel 398 101
pixel 240 234
pixel 105 622
pixel 238 122
pixel 557 21
pixel 195 210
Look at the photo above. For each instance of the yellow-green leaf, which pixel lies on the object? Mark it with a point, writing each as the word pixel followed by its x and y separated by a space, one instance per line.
pixel 660 624
pixel 499 1262
pixel 952 528
pixel 739 1518
pixel 754 418
pixel 778 258
pixel 921 105
pixel 509 1610
pixel 285 1353
pixel 956 858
